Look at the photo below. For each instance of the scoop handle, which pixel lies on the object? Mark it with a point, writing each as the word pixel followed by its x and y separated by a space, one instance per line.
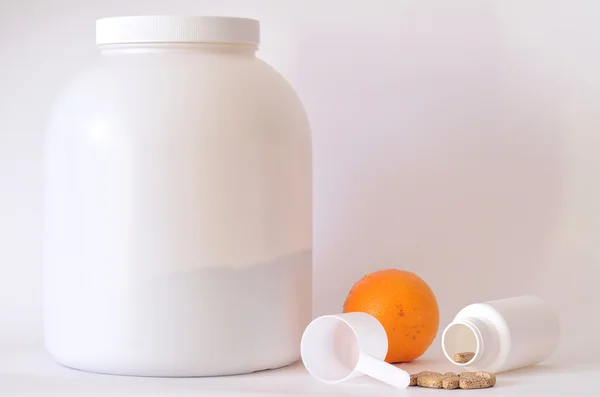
pixel 383 371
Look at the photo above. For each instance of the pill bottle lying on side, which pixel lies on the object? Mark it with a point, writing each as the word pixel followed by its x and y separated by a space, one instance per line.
pixel 503 334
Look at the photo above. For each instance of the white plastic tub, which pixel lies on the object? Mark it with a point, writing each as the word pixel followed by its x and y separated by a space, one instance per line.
pixel 178 205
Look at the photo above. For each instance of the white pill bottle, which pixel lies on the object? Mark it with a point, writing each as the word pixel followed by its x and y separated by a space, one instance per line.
pixel 504 334
pixel 178 205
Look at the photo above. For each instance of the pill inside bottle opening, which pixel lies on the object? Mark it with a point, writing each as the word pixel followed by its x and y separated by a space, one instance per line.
pixel 460 344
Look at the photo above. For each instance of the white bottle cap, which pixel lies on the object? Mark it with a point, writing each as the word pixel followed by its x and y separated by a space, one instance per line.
pixel 177 29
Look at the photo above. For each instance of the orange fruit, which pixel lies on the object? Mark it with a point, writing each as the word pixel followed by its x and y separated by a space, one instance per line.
pixel 405 306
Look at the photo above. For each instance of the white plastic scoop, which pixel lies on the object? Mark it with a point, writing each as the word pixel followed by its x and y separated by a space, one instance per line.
pixel 342 346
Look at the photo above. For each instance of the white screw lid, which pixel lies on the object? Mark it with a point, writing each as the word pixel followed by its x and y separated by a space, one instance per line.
pixel 177 29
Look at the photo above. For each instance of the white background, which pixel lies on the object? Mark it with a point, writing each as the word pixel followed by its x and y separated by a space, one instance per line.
pixel 456 139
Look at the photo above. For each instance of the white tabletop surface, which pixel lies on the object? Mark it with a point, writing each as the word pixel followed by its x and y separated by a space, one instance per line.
pixel 30 372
